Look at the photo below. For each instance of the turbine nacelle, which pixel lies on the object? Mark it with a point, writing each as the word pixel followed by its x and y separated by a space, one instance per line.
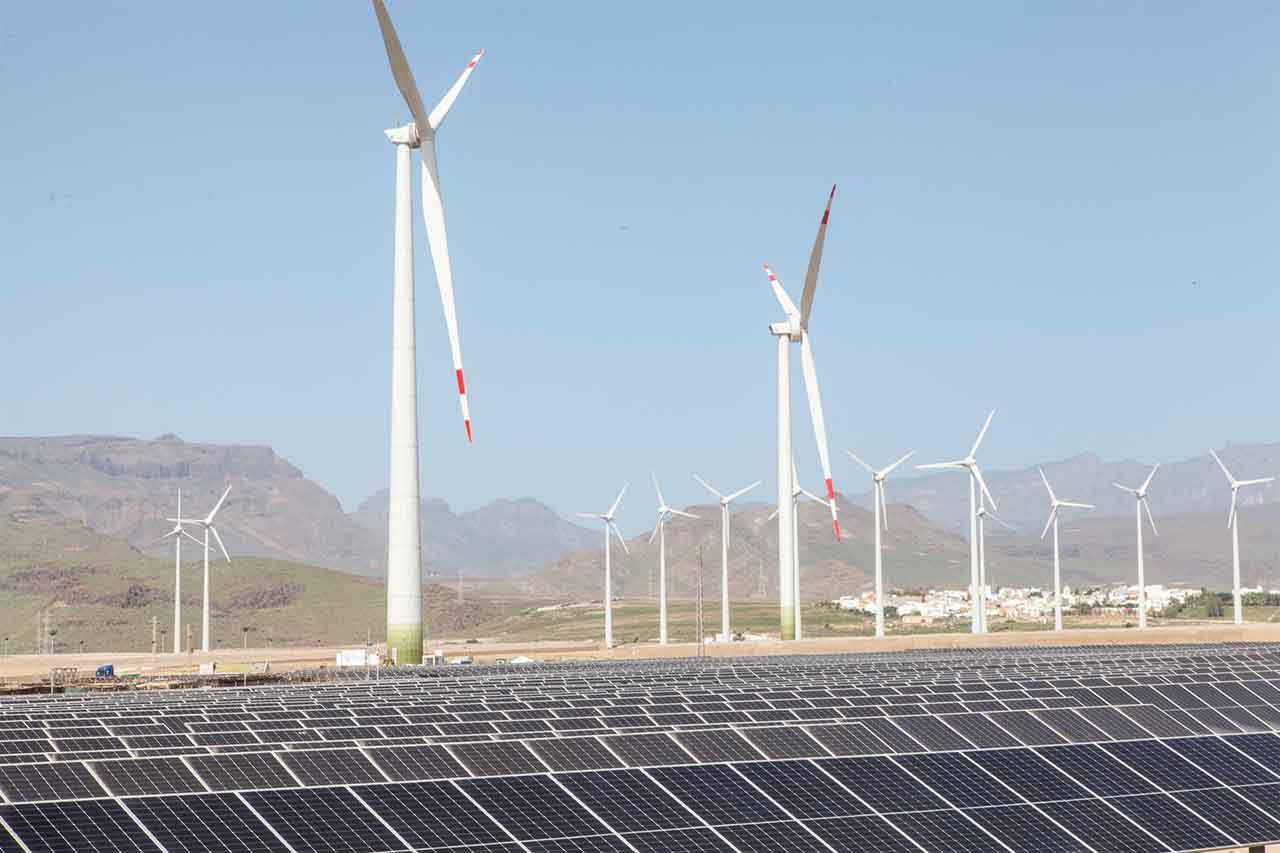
pixel 405 134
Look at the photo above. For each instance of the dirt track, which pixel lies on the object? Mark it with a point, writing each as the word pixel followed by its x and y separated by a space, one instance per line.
pixel 29 667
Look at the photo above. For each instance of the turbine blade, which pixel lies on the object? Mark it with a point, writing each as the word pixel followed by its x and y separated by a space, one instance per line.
pixel 438 239
pixel 819 425
pixel 887 471
pixel 209 518
pixel 214 531
pixel 772 515
pixel 855 458
pixel 661 501
pixel 1049 488
pixel 400 69
pixel 1147 507
pixel 193 539
pixel 1077 505
pixel 1150 477
pixel 1125 489
pixel 1255 482
pixel 884 506
pixel 785 301
pixel 707 486
pixel 656 527
pixel 1002 521
pixel 977 472
pixel 681 513
pixel 1053 513
pixel 594 516
pixel 815 261
pixel 1231 516
pixel 811 496
pixel 621 541
pixel 1230 479
pixel 442 109
pixel 959 463
pixel 982 434
pixel 154 542
pixel 741 492
pixel 614 509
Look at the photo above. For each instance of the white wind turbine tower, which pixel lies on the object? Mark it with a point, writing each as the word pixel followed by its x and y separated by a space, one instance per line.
pixel 609 528
pixel 404 547
pixel 797 492
pixel 1054 506
pixel 795 329
pixel 660 531
pixel 983 515
pixel 1140 495
pixel 881 520
pixel 726 630
pixel 207 524
pixel 1233 521
pixel 177 533
pixel 970 464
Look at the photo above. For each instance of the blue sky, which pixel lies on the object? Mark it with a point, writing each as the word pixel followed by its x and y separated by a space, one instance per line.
pixel 1067 211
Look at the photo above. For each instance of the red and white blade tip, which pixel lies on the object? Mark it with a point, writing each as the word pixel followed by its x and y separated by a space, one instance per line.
pixel 476 58
pixel 835 524
pixel 769 273
pixel 826 214
pixel 462 398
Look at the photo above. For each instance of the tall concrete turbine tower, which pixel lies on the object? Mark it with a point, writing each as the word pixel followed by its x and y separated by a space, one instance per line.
pixel 404 548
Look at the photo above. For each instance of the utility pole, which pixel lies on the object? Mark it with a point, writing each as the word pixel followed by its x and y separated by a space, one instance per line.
pixel 155 627
pixel 188 638
pixel 245 632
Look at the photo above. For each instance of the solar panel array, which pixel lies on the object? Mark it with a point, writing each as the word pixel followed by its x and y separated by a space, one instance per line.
pixel 1066 749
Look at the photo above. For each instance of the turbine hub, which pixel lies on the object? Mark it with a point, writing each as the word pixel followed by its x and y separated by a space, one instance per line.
pixel 405 134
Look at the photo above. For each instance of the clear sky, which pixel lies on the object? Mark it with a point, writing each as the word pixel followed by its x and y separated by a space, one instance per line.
pixel 1068 211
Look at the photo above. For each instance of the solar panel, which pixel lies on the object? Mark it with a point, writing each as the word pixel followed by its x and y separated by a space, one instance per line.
pixel 849 739
pixel 628 800
pixel 1101 826
pixel 1097 770
pixel 895 738
pixel 677 841
pixel 73 827
pixel 1113 723
pixel 1024 829
pixel 1071 725
pixel 862 833
pixel 405 763
pixel 1026 728
pixel 497 758
pixel 980 731
pixel 881 784
pixel 1155 721
pixel 200 823
pixel 331 766
pixel 717 794
pixel 1161 765
pixel 771 837
pixel 1232 814
pixel 582 844
pixel 718 745
pixel 933 733
pixel 784 742
pixel 946 831
pixel 25 782
pixel 147 776
pixel 648 750
pixel 322 820
pixel 1171 822
pixel 802 789
pixel 532 807
pixel 1027 773
pixel 241 771
pixel 958 780
pixel 576 753
pixel 432 815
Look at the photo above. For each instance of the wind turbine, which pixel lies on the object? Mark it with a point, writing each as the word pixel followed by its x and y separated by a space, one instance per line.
pixel 983 515
pixel 726 631
pixel 797 492
pixel 1233 521
pixel 1054 506
pixel 881 520
pixel 795 329
pixel 970 464
pixel 177 533
pixel 609 527
pixel 404 547
pixel 1140 495
pixel 660 531
pixel 207 524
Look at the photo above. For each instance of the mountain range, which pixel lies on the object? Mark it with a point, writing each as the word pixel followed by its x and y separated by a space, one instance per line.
pixel 125 487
